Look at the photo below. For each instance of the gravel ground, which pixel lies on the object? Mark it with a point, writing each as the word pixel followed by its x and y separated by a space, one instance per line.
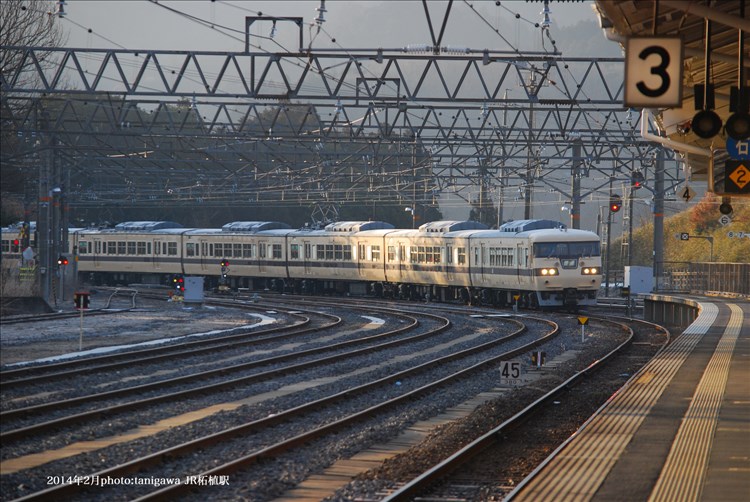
pixel 152 319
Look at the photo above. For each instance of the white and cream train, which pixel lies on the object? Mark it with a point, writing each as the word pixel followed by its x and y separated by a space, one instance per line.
pixel 537 263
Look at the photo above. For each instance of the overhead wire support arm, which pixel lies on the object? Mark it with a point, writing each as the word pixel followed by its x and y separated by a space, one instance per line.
pixel 250 20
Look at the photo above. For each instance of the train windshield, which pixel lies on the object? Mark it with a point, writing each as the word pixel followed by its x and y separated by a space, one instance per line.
pixel 566 249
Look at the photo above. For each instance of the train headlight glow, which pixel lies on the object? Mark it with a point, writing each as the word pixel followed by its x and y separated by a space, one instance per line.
pixel 590 271
pixel 548 271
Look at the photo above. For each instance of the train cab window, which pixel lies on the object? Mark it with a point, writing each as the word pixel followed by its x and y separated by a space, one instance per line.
pixel 172 248
pixel 277 251
pixel 376 253
pixel 141 247
pixel 83 247
pixel 294 251
pixel 391 253
pixel 190 249
pixel 461 256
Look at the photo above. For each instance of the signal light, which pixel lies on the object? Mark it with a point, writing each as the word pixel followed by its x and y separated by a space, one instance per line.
pixel 224 263
pixel 615 203
pixel 738 126
pixel 62 260
pixel 706 124
pixel 636 180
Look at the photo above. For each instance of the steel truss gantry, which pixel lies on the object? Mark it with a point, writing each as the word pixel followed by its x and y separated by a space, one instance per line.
pixel 144 126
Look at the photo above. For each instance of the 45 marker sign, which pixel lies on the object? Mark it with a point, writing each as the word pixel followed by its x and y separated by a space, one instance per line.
pixel 653 72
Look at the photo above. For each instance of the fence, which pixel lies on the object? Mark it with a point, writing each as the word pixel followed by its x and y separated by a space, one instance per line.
pixel 686 277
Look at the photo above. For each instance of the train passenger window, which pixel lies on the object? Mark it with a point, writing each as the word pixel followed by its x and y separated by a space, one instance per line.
pixel 120 247
pixel 190 249
pixel 218 250
pixel 361 252
pixel 308 251
pixel 262 249
pixel 348 252
pixel 448 254
pixel 294 251
pixel 141 247
pixel 461 256
pixel 83 247
pixel 277 251
pixel 247 251
pixel 391 253
pixel 376 253
pixel 131 247
pixel 237 250
pixel 6 246
pixel 172 248
pixel 320 252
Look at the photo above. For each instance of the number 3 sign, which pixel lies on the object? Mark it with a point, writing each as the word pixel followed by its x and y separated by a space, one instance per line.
pixel 653 72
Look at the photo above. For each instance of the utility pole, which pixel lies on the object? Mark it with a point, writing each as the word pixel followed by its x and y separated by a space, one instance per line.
pixel 575 208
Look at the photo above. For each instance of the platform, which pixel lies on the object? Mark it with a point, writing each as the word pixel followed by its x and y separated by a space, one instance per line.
pixel 678 431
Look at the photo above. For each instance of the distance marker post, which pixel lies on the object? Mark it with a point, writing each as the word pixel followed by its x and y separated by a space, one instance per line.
pixel 583 321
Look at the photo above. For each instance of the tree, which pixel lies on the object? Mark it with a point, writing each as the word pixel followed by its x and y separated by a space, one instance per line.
pixel 23 23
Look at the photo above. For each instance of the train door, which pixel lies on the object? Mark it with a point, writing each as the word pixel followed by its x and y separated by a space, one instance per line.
pixel 97 249
pixel 519 261
pixel 448 260
pixel 262 256
pixel 157 253
pixel 205 253
pixel 401 261
pixel 307 256
pixel 482 257
pixel 361 258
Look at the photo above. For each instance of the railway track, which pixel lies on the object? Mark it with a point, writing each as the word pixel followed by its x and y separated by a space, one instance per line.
pixel 485 468
pixel 283 444
pixel 247 336
pixel 374 343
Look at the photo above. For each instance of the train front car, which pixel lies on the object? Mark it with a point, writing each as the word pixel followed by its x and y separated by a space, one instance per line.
pixel 566 267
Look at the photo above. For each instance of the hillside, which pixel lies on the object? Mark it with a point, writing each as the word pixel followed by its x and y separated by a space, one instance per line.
pixel 701 220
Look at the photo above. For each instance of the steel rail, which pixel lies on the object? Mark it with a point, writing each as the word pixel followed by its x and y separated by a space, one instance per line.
pixel 180 450
pixel 422 482
pixel 33 430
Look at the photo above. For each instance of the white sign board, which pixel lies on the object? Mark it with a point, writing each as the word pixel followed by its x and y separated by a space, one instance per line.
pixel 687 193
pixel 653 72
pixel 725 220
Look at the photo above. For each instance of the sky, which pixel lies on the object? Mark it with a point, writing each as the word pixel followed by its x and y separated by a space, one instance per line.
pixel 219 25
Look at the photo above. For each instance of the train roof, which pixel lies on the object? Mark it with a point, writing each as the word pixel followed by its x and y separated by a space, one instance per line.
pixel 358 226
pixel 254 226
pixel 518 226
pixel 451 226
pixel 146 226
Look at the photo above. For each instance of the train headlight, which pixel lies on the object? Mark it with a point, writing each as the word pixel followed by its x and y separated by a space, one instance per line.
pixel 547 271
pixel 590 271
